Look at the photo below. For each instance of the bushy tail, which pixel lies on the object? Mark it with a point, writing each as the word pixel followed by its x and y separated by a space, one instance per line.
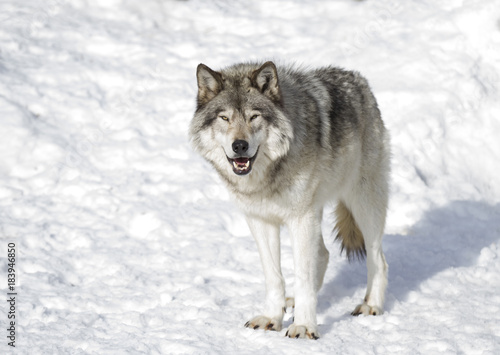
pixel 348 233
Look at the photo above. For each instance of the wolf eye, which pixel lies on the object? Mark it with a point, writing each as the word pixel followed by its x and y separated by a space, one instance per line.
pixel 253 117
pixel 224 118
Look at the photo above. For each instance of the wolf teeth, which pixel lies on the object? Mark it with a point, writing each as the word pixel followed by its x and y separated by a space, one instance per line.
pixel 239 167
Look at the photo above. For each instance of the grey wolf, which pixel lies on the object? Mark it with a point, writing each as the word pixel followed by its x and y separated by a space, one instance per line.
pixel 287 141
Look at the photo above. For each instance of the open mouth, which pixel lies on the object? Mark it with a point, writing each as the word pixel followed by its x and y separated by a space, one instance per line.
pixel 242 165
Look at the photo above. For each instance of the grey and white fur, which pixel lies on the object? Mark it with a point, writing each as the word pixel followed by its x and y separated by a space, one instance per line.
pixel 286 141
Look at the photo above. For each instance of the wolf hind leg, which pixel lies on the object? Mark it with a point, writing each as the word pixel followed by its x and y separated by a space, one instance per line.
pixel 323 257
pixel 368 210
pixel 290 302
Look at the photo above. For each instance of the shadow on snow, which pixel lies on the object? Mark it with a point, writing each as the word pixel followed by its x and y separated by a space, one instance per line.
pixel 448 237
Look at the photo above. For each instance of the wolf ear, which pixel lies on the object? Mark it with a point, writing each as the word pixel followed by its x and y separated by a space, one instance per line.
pixel 209 84
pixel 266 80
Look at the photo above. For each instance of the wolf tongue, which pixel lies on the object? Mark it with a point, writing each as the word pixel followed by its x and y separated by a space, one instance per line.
pixel 241 161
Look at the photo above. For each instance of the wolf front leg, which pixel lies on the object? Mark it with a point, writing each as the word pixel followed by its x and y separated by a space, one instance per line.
pixel 267 237
pixel 310 260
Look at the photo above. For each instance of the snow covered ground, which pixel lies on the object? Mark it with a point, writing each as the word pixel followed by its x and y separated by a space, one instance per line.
pixel 127 242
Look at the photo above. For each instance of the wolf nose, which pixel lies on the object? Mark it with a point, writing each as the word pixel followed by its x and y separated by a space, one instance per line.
pixel 240 146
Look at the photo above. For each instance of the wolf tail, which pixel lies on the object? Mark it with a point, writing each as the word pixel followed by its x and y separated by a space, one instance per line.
pixel 348 233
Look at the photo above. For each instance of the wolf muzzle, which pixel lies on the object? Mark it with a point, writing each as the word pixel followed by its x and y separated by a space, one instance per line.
pixel 242 164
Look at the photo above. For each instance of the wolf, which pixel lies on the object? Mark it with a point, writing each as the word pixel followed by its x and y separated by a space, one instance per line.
pixel 286 141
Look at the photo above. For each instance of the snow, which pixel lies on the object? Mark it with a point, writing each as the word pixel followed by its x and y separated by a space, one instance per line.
pixel 127 241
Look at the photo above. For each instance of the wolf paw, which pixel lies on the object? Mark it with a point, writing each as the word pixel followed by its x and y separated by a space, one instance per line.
pixel 367 310
pixel 263 322
pixel 302 331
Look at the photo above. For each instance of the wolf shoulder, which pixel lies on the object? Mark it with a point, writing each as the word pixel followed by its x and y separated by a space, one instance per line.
pixel 329 100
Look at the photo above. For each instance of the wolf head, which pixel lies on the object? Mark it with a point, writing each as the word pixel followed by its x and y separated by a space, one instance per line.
pixel 239 124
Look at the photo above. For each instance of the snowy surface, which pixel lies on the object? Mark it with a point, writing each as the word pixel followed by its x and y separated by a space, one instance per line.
pixel 129 244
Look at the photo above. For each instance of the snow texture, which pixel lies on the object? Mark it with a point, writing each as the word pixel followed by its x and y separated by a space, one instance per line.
pixel 127 241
